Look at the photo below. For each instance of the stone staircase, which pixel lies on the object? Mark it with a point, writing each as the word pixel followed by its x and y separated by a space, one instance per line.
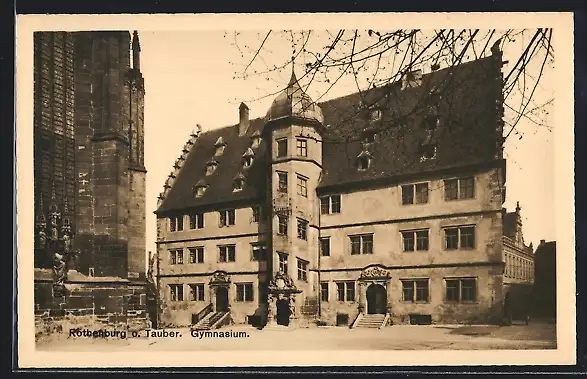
pixel 370 321
pixel 213 320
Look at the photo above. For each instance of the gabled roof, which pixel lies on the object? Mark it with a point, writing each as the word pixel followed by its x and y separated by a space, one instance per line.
pixel 468 133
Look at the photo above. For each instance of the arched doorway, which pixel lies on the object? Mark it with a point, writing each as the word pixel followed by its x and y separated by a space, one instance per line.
pixel 221 299
pixel 283 312
pixel 376 299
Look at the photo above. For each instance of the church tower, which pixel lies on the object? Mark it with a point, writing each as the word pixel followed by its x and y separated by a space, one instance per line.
pixel 293 131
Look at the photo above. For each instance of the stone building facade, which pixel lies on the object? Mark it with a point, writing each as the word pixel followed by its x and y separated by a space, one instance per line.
pixel 89 180
pixel 382 203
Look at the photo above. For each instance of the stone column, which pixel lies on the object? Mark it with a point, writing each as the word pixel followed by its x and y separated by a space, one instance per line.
pixel 271 310
pixel 362 297
pixel 213 297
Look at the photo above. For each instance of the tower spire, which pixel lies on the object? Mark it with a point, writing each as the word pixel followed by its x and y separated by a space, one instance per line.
pixel 136 51
pixel 292 79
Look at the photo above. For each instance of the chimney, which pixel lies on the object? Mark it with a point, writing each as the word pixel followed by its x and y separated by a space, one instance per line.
pixel 243 123
pixel 542 242
pixel 412 79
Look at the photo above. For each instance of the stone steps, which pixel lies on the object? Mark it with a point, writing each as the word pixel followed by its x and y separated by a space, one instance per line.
pixel 370 321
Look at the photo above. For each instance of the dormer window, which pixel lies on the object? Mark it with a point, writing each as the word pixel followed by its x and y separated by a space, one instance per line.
pixel 375 115
pixel 200 189
pixel 248 158
pixel 368 136
pixel 428 152
pixel 256 140
pixel 238 183
pixel 211 167
pixel 364 160
pixel 219 145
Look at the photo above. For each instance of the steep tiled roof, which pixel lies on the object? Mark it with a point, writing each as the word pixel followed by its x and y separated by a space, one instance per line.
pixel 468 132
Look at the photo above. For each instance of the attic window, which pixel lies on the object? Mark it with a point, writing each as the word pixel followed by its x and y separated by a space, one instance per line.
pixel 248 158
pixel 375 115
pixel 369 136
pixel 200 189
pixel 364 160
pixel 211 167
pixel 428 152
pixel 238 183
pixel 219 145
pixel 256 140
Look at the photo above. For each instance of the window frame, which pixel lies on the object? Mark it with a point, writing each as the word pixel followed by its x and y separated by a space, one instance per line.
pixel 195 295
pixel 257 213
pixel 284 262
pixel 225 217
pixel 224 253
pixel 302 185
pixel 302 228
pixel 245 299
pixel 302 269
pixel 176 256
pixel 196 254
pixel 459 238
pixel 414 290
pixel 282 181
pixel 461 190
pixel 280 143
pixel 415 195
pixel 321 241
pixel 178 294
pixel 284 225
pixel 362 243
pixel 301 147
pixel 459 290
pixel 323 286
pixel 327 204
pixel 346 286
pixel 197 220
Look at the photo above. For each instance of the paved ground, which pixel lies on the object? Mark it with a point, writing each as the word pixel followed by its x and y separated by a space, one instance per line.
pixel 399 337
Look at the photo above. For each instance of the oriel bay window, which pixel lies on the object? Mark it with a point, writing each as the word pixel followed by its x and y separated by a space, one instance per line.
pixel 462 237
pixel 197 292
pixel 330 204
pixel 345 291
pixel 415 290
pixel 244 292
pixel 415 240
pixel 302 186
pixel 461 290
pixel 361 244
pixel 415 193
pixel 226 253
pixel 302 147
pixel 462 188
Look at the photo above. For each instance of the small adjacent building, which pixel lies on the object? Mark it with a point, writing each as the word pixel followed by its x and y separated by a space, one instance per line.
pixel 545 279
pixel 383 206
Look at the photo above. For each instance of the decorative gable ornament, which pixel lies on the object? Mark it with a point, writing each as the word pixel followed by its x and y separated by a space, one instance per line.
pixel 282 284
pixel 219 278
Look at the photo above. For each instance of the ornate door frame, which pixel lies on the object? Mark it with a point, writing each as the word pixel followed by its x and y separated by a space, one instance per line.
pixel 373 274
pixel 281 287
pixel 219 279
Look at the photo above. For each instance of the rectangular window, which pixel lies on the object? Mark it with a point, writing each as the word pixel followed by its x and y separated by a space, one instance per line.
pixel 408 238
pixel 422 240
pixel 281 147
pixel 415 193
pixel 324 295
pixel 462 188
pixel 256 213
pixel 330 204
pixel 302 185
pixel 176 292
pixel 325 246
pixel 227 217
pixel 282 181
pixel 302 147
pixel 176 223
pixel 282 227
pixel 302 229
pixel 244 292
pixel 345 291
pixel 196 254
pixel 463 237
pixel 302 270
pixel 362 244
pixel 283 258
pixel 197 292
pixel 227 253
pixel 196 220
pixel 461 290
pixel 415 290
pixel 258 252
pixel 176 257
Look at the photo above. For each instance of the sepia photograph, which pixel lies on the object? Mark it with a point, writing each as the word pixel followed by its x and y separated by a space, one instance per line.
pixel 348 188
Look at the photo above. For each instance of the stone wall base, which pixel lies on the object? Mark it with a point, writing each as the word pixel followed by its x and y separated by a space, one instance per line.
pixel 92 303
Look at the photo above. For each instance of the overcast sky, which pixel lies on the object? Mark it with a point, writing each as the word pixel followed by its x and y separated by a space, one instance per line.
pixel 189 81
